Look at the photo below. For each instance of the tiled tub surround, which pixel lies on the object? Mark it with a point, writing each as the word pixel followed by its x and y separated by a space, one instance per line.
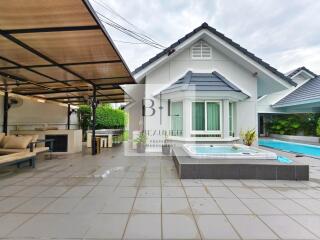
pixel 206 168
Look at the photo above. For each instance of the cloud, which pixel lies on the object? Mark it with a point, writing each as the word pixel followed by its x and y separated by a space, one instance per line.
pixel 284 33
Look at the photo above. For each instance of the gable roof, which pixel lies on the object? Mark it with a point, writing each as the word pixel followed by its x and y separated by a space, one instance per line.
pixel 169 50
pixel 306 93
pixel 201 82
pixel 303 68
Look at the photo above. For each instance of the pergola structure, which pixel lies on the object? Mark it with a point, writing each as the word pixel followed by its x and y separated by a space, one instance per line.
pixel 58 50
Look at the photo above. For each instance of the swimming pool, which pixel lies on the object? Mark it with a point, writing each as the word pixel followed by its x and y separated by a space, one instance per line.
pixel 305 149
pixel 225 151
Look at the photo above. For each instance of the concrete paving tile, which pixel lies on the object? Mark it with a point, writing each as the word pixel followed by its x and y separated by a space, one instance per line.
pixel 107 226
pixel 215 227
pixel 6 205
pixel 149 192
pixel 61 205
pixel 310 222
pixel 9 222
pixel 242 192
pixel 143 226
pixel 175 205
pixel 232 206
pixel 221 192
pixel 251 227
pixel 147 205
pixel 261 207
pixel 173 192
pixel 204 206
pixel 196 192
pixel 268 193
pixel 34 205
pixel 311 204
pixel 78 191
pixel 177 226
pixel 288 206
pixel 286 228
pixel 54 226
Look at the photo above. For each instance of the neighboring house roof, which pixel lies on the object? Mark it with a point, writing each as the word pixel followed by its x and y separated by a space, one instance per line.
pixel 201 82
pixel 303 68
pixel 307 93
pixel 169 50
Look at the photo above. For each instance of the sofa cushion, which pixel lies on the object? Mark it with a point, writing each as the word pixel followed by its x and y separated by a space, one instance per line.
pixel 20 142
pixel 5 139
pixel 1 137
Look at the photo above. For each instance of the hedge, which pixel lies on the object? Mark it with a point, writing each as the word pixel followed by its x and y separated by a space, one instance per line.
pixel 106 117
pixel 307 124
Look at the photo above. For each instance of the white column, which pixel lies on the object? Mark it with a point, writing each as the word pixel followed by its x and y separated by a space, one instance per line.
pixel 225 118
pixel 186 118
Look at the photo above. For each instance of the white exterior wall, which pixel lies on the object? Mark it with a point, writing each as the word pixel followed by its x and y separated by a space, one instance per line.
pixel 33 114
pixel 177 66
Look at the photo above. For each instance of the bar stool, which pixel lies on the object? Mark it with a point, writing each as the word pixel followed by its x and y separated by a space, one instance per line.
pixel 104 142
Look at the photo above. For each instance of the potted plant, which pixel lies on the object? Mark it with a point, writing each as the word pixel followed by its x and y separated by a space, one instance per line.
pixel 248 137
pixel 141 143
pixel 166 149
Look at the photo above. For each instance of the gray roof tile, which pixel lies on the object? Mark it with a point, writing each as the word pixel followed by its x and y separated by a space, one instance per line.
pixel 201 82
pixel 308 92
pixel 169 50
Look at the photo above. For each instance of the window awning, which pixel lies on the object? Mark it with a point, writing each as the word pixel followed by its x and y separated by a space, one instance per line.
pixel 59 50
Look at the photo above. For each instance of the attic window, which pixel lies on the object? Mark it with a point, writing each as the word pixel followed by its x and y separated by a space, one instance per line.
pixel 201 51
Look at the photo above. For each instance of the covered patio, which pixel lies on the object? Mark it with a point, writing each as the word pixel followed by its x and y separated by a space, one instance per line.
pixel 59 51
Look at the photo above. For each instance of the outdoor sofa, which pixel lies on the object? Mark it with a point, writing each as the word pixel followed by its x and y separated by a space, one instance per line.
pixel 19 149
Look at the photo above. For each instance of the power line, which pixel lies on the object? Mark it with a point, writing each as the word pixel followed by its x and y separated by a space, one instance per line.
pixel 116 40
pixel 127 31
pixel 110 9
pixel 144 39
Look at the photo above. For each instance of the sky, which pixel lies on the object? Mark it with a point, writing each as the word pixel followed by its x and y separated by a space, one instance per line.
pixel 284 33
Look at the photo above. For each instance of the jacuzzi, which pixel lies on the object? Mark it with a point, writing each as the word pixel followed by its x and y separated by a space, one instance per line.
pixel 227 151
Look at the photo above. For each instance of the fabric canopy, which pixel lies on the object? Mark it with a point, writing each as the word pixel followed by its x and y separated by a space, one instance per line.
pixel 59 50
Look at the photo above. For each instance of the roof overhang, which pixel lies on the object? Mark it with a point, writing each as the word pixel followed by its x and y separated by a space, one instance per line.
pixel 59 51
pixel 253 66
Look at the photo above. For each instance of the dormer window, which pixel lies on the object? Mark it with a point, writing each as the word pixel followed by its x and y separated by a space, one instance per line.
pixel 201 51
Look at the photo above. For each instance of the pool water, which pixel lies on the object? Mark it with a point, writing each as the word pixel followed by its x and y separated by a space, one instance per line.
pixel 225 151
pixel 214 149
pixel 299 148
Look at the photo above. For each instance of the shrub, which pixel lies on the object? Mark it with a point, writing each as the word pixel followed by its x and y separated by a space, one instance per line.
pixel 248 137
pixel 84 117
pixel 106 117
pixel 293 124
pixel 318 128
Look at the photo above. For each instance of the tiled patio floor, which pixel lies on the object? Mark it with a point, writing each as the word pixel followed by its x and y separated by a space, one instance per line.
pixel 112 196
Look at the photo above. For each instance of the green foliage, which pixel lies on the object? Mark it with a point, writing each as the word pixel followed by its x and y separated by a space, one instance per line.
pixel 106 117
pixel 293 124
pixel 141 139
pixel 248 137
pixel 318 128
pixel 84 117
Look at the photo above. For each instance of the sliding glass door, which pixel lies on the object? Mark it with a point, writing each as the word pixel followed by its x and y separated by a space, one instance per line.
pixel 206 117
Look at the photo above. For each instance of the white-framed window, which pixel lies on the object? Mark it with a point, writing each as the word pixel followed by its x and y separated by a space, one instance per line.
pixel 201 51
pixel 176 121
pixel 206 117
